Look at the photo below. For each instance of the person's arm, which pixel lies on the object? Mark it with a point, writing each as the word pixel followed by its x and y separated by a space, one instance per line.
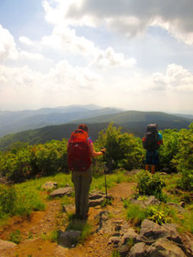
pixel 160 142
pixel 94 153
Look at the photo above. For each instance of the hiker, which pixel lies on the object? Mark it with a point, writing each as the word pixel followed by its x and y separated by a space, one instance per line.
pixel 151 142
pixel 80 153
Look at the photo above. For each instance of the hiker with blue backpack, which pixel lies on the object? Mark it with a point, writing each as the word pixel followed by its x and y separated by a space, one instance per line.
pixel 152 142
pixel 80 153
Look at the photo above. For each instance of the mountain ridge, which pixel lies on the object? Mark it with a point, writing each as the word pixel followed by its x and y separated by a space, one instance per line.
pixel 131 121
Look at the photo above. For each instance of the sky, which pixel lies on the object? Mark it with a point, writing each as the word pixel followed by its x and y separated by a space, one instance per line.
pixel 129 54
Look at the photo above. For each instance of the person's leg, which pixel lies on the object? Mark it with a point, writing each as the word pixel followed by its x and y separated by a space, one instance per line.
pixel 76 179
pixel 154 161
pixel 85 186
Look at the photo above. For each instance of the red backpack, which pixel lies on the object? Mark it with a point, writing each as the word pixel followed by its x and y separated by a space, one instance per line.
pixel 79 156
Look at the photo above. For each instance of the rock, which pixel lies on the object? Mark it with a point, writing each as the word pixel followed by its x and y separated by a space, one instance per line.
pixel 68 238
pixel 138 250
pixel 62 191
pixel 123 250
pixel 151 200
pixel 49 185
pixel 118 227
pixel 151 230
pixel 96 202
pixel 164 248
pixel 116 234
pixel 115 240
pixel 4 245
pixel 172 233
pixel 130 235
pixel 118 224
pixel 96 195
pixel 97 198
pixel 102 217
pixel 187 244
pixel 176 206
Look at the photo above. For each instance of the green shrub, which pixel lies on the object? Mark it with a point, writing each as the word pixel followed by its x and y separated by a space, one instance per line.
pixel 7 200
pixel 169 149
pixel 150 184
pixel 158 214
pixel 15 237
pixel 186 180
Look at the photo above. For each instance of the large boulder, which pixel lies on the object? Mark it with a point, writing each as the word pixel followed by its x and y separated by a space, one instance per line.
pixel 164 248
pixel 151 231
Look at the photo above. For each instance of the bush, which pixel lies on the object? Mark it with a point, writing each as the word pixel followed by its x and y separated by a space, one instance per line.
pixel 27 162
pixel 7 200
pixel 158 214
pixel 123 149
pixel 168 150
pixel 186 181
pixel 150 184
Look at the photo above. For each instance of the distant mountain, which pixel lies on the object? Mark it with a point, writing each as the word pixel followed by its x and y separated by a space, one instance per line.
pixel 189 116
pixel 131 121
pixel 137 120
pixel 12 122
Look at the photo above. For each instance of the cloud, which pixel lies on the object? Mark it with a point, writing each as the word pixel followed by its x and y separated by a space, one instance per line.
pixel 66 40
pixel 26 41
pixel 7 45
pixel 130 18
pixel 176 78
pixel 109 58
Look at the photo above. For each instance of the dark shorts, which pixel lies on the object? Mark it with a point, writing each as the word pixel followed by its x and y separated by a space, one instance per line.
pixel 152 157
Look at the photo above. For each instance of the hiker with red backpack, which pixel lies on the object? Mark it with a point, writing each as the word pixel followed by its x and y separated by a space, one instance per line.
pixel 80 153
pixel 151 142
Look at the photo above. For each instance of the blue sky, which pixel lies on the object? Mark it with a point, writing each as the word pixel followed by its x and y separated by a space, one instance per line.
pixel 123 53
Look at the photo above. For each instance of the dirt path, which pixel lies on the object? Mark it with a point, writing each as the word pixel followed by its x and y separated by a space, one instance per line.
pixel 42 223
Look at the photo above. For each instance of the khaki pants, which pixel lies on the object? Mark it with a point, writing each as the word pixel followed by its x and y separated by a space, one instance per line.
pixel 82 181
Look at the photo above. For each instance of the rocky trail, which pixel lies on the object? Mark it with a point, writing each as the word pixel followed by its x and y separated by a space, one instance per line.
pixel 33 230
pixel 110 231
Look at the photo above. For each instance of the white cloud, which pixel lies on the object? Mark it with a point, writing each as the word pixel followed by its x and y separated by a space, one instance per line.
pixel 7 45
pixel 109 58
pixel 176 78
pixel 65 39
pixel 26 41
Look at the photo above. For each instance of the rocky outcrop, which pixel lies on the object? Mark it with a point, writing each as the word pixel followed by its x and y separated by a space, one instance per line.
pixel 153 241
